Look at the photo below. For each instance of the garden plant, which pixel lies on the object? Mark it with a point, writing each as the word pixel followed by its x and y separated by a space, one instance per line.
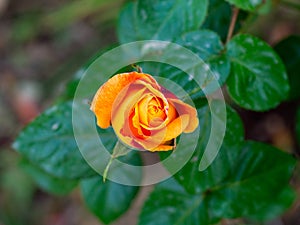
pixel 163 107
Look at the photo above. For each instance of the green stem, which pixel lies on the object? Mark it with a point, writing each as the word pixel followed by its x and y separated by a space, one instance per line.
pixel 119 150
pixel 107 168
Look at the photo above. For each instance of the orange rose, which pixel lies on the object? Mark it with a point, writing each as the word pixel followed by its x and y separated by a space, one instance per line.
pixel 142 113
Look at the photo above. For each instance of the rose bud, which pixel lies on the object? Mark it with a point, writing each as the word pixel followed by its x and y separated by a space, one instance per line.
pixel 143 114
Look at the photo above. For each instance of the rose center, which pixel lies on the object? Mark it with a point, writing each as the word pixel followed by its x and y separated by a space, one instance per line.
pixel 156 113
pixel 152 109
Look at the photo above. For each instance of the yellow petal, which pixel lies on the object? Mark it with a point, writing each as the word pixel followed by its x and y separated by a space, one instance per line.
pixel 151 91
pixel 176 127
pixel 134 120
pixel 185 109
pixel 154 140
pixel 107 93
pixel 171 113
pixel 123 114
pixel 162 148
pixel 124 122
pixel 143 106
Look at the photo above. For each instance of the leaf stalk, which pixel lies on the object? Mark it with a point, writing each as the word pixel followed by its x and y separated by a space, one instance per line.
pixel 235 13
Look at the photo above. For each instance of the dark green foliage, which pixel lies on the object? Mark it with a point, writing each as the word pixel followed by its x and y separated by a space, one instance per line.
pixel 247 179
pixel 49 143
pixel 107 200
pixel 258 79
pixel 289 51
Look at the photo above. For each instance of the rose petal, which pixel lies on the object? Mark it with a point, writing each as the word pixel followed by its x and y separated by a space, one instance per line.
pixel 143 106
pixel 171 113
pixel 134 124
pixel 167 93
pixel 176 127
pixel 166 146
pixel 149 138
pixel 154 140
pixel 162 148
pixel 122 114
pixel 143 114
pixel 157 140
pixel 182 109
pixel 130 131
pixel 124 122
pixel 151 91
pixel 107 93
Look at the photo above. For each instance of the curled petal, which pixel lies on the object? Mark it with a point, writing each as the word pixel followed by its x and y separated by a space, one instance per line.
pixel 143 107
pixel 153 141
pixel 124 120
pixel 176 127
pixel 185 109
pixel 107 93
pixel 163 147
pixel 171 113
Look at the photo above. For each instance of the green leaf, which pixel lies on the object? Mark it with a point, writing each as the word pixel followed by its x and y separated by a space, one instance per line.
pixel 218 17
pixel 160 20
pixel 289 51
pixel 234 135
pixel 176 75
pixel 257 179
pixel 208 46
pixel 107 200
pixel 170 204
pixel 48 182
pixel 258 80
pixel 49 143
pixel 247 180
pixel 269 211
pixel 127 28
pixel 249 5
pixel 210 72
pixel 170 73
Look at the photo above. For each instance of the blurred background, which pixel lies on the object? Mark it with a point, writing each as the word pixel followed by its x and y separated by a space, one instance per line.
pixel 43 43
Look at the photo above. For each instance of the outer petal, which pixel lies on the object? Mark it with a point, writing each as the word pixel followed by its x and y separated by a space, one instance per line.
pixel 167 93
pixel 153 141
pixel 122 114
pixel 158 142
pixel 163 147
pixel 185 109
pixel 176 127
pixel 107 93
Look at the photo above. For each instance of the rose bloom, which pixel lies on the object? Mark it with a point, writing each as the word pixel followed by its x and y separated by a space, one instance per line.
pixel 143 114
